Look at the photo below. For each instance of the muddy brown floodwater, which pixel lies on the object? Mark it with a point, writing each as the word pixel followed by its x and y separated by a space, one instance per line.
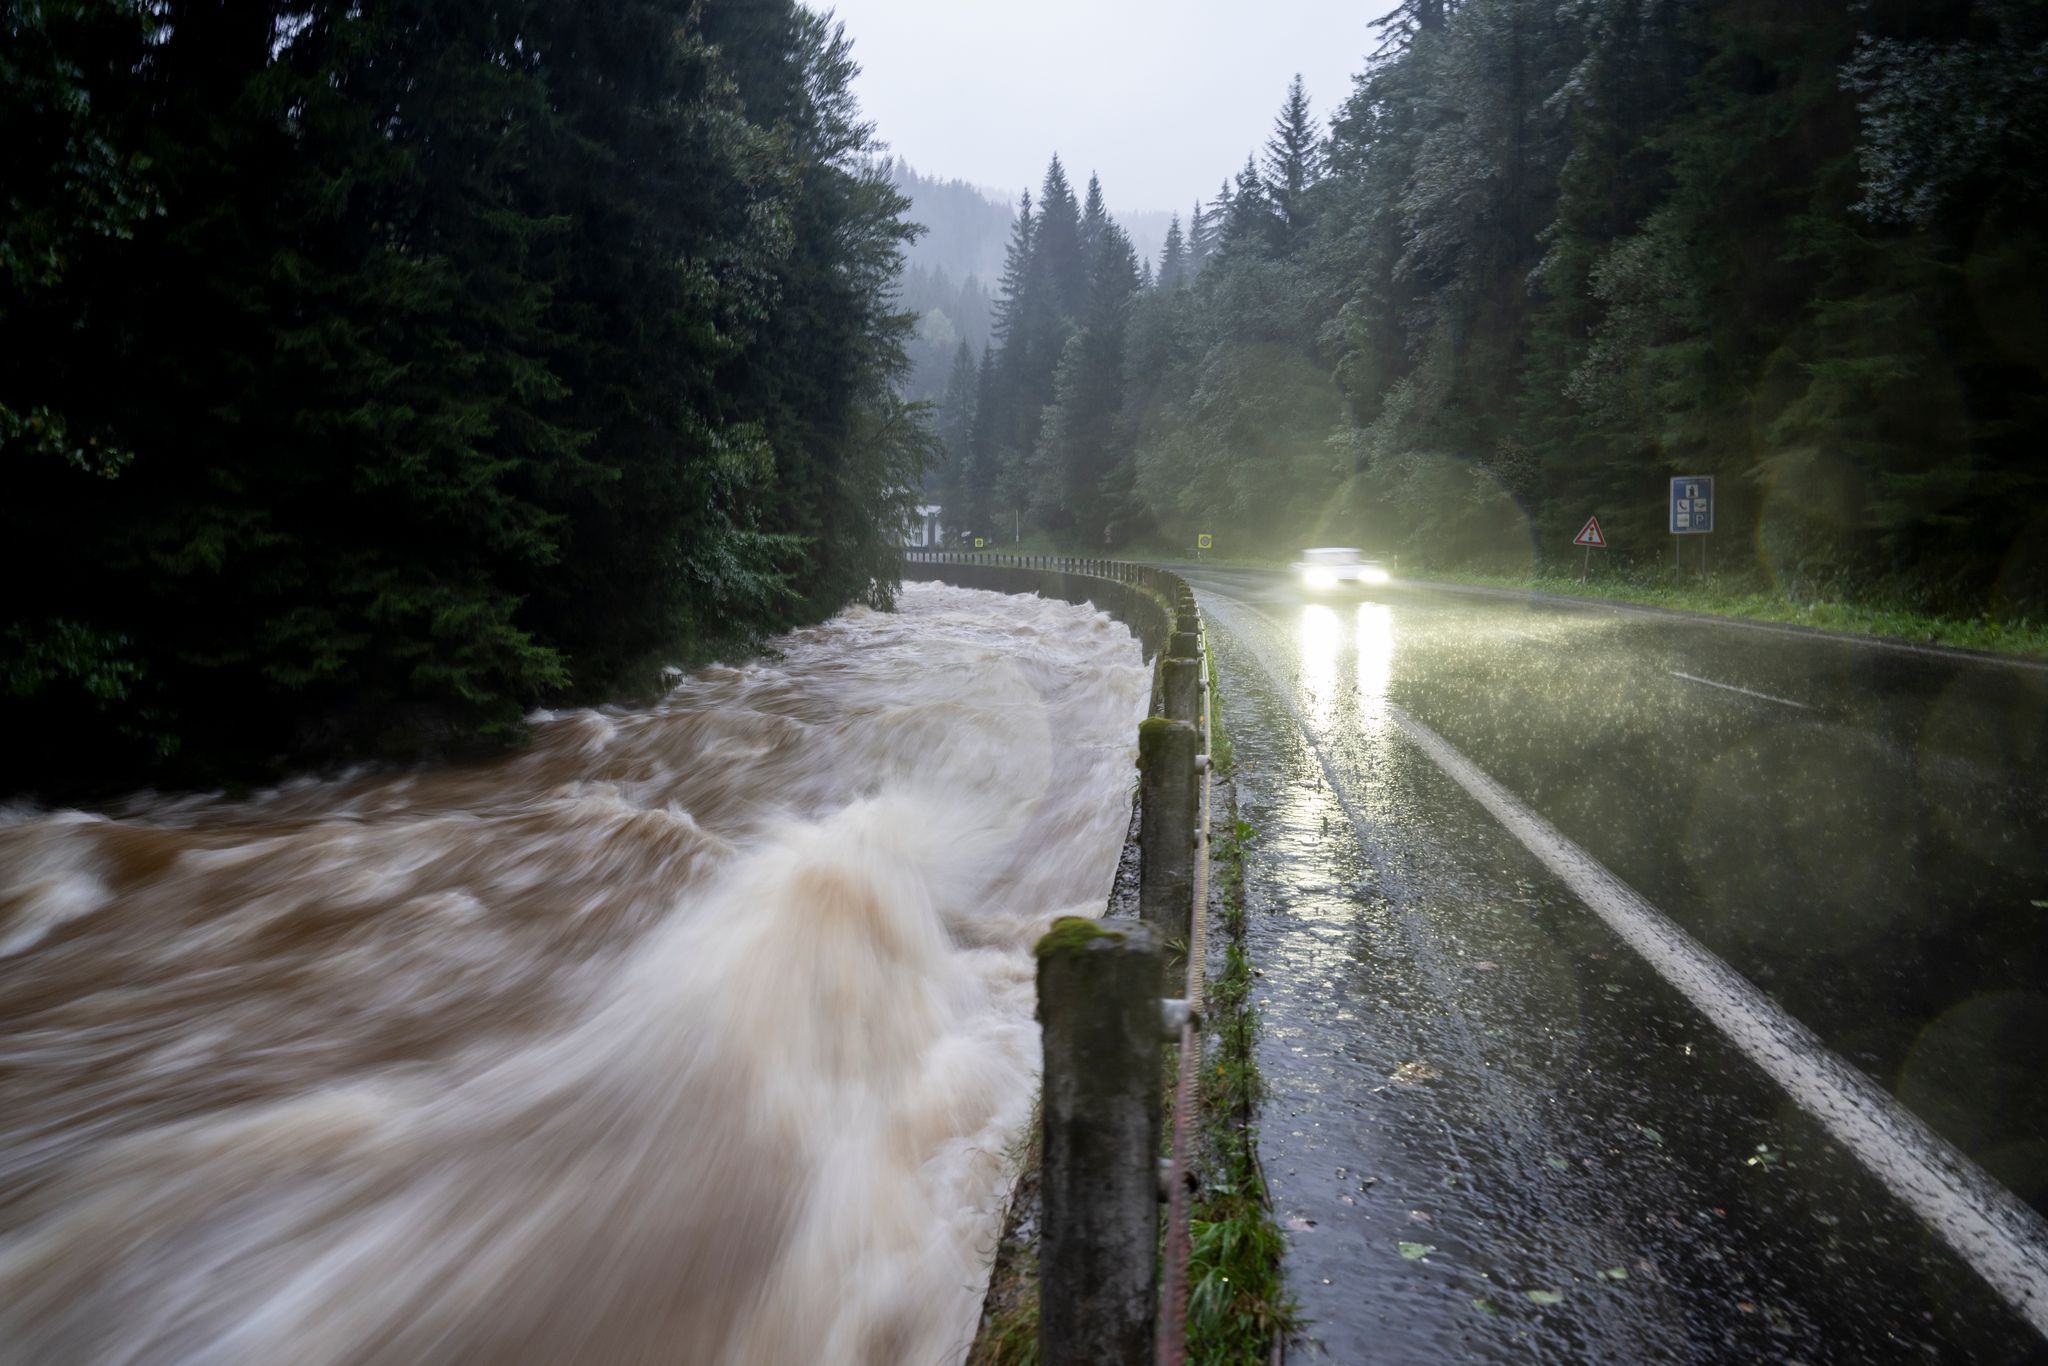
pixel 689 1034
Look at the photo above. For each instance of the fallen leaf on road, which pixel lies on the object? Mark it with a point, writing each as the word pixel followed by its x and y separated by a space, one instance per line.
pixel 1415 1252
pixel 1420 1216
pixel 1545 1296
pixel 1487 965
pixel 1485 1307
pixel 1413 1074
pixel 1616 1273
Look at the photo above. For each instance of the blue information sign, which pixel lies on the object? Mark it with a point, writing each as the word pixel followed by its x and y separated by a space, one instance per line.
pixel 1692 504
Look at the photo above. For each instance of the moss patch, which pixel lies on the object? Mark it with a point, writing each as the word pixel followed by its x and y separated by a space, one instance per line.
pixel 1073 932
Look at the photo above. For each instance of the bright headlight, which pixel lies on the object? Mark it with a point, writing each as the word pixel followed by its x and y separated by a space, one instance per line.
pixel 1318 578
pixel 1371 575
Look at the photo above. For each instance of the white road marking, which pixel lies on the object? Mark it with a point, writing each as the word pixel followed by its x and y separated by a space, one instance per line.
pixel 2002 1239
pixel 1986 1225
pixel 1746 692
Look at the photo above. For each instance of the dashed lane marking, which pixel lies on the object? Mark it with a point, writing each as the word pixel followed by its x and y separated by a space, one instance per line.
pixel 1746 692
pixel 1994 1233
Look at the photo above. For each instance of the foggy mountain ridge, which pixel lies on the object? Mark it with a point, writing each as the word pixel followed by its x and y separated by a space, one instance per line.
pixel 951 272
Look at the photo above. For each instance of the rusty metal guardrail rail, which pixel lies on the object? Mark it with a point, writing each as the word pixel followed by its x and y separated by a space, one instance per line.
pixel 1104 1294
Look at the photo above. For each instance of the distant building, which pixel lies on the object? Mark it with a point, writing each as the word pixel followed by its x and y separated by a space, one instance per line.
pixel 925 529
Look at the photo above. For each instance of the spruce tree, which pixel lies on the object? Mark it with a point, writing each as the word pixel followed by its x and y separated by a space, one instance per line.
pixel 956 431
pixel 1173 256
pixel 1201 237
pixel 1094 217
pixel 1293 163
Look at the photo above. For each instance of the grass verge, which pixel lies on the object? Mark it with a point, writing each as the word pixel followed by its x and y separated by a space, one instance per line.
pixel 1238 1308
pixel 1734 597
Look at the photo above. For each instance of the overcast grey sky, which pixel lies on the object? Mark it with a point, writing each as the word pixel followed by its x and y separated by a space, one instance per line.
pixel 1162 100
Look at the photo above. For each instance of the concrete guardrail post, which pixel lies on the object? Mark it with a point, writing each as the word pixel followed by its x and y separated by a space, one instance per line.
pixel 1166 824
pixel 1180 687
pixel 1098 1005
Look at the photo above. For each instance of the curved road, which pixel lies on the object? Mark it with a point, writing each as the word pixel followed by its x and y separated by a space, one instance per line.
pixel 1497 1130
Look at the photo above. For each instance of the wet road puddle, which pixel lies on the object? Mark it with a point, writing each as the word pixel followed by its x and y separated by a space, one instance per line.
pixel 1492 1132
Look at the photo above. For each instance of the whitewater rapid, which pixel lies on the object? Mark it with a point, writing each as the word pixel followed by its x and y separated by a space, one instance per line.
pixel 688 1034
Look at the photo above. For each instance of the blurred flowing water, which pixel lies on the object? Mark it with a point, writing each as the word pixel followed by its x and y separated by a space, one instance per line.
pixel 692 1034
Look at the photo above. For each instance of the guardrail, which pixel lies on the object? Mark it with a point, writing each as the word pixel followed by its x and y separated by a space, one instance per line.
pixel 1104 1293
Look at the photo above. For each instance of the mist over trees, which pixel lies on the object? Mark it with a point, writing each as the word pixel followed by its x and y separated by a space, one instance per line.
pixel 947 272
pixel 1541 258
pixel 376 372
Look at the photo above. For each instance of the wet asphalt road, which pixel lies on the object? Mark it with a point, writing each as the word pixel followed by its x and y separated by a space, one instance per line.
pixel 1493 1132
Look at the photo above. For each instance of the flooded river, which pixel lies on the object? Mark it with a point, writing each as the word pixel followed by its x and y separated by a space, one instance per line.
pixel 688 1034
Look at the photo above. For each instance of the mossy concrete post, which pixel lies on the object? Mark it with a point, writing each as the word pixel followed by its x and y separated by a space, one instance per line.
pixel 1184 645
pixel 1180 686
pixel 1098 1009
pixel 1166 824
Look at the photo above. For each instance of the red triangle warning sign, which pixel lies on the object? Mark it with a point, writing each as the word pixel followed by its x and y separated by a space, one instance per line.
pixel 1589 534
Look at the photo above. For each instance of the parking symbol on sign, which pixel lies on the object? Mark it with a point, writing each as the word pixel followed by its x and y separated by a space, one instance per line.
pixel 1692 504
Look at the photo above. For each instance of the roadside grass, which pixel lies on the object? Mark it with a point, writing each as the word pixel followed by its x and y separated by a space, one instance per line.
pixel 1237 1304
pixel 1744 599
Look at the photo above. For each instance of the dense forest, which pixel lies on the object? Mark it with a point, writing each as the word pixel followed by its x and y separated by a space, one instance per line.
pixel 378 370
pixel 1540 259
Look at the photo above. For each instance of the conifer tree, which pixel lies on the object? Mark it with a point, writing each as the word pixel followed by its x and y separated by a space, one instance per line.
pixel 1293 162
pixel 1246 225
pixel 1058 254
pixel 380 454
pixel 1094 217
pixel 1173 256
pixel 1201 236
pixel 956 429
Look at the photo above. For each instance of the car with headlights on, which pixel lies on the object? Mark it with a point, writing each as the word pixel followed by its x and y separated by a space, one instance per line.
pixel 1330 569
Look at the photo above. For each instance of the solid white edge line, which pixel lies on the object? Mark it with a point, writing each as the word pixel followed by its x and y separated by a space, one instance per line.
pixel 1746 692
pixel 2001 1238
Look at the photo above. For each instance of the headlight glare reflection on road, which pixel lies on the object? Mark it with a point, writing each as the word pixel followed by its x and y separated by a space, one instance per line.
pixel 1319 578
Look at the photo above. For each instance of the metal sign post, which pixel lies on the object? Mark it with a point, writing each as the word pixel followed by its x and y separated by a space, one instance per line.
pixel 1591 537
pixel 1692 514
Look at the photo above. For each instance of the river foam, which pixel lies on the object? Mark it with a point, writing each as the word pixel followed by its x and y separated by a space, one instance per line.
pixel 691 1034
